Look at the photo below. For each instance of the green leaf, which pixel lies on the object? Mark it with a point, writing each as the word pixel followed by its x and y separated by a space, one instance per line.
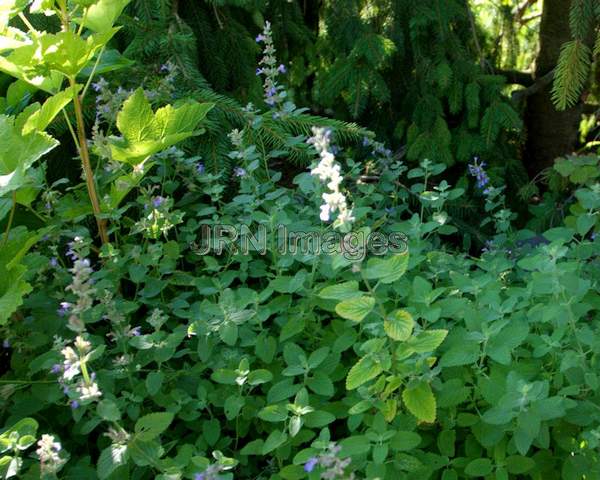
pixel 387 270
pixel 101 15
pixel 420 401
pixel 25 428
pixel 404 441
pixel 356 308
pixel 399 325
pixel 257 377
pixel 154 381
pixel 41 118
pixel 12 290
pixel 146 133
pixel 18 152
pixel 364 370
pixel 110 459
pixel 275 439
pixel 108 410
pixel 340 291
pixel 516 464
pixel 152 425
pixel 479 467
pixel 428 341
pixel 253 448
pixel 321 384
pixel 273 413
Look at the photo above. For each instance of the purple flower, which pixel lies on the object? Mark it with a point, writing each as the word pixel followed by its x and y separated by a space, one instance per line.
pixel 74 404
pixel 260 38
pixel 199 476
pixel 200 168
pixel 310 464
pixel 135 332
pixel 56 368
pixel 281 68
pixel 477 170
pixel 239 172
pixel 53 262
pixel 157 201
pixel 366 142
pixel 259 71
pixel 64 308
pixel 5 343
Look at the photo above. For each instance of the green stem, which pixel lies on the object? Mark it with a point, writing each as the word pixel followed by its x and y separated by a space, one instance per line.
pixel 11 217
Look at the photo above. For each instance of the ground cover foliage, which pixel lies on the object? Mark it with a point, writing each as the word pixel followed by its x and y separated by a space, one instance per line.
pixel 421 343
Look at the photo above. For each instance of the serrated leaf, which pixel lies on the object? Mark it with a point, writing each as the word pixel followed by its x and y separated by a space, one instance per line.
pixel 356 308
pixel 428 341
pixel 420 401
pixel 364 370
pixel 152 425
pixel 399 325
pixel 387 270
pixel 341 291
pixel 146 133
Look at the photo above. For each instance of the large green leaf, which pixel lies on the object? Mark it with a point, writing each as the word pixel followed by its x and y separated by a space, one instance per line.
pixel 45 60
pixel 419 401
pixel 387 270
pixel 101 16
pixel 399 325
pixel 146 133
pixel 18 152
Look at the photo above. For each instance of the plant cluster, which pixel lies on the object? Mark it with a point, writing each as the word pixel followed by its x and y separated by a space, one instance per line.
pixel 134 353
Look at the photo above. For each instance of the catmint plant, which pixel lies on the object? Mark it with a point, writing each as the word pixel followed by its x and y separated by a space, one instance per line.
pixel 50 454
pixel 82 285
pixel 329 172
pixel 274 93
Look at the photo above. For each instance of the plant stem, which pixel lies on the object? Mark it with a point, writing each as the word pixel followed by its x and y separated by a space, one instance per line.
pixel 11 217
pixel 87 166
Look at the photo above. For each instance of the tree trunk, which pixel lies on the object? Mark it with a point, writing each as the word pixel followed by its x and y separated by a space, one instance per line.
pixel 550 133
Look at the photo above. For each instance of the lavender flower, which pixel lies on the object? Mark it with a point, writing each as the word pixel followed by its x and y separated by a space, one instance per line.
pixel 56 369
pixel 157 201
pixel 74 404
pixel 332 465
pixel 64 308
pixel 477 170
pixel 200 168
pixel 310 464
pixel 275 94
pixel 54 262
pixel 5 343
pixel 239 172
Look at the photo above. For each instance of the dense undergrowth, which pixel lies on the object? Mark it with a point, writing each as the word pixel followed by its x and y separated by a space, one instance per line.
pixel 252 323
